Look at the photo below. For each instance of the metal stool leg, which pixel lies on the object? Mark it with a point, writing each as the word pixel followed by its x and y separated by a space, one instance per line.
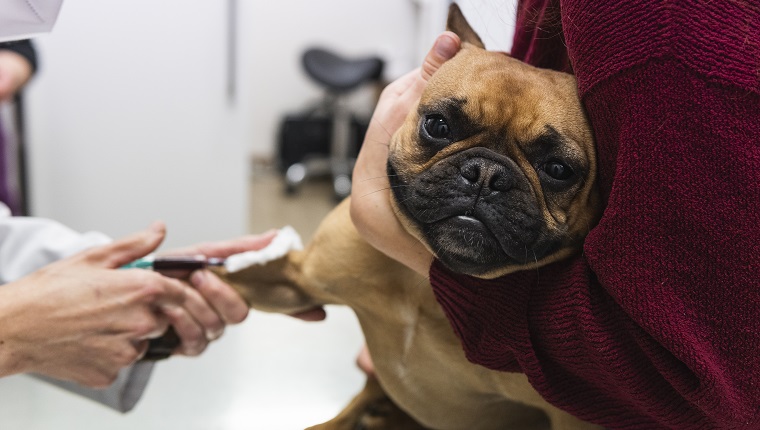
pixel 340 151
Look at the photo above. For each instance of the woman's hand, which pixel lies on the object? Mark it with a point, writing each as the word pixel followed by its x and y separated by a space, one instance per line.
pixel 371 209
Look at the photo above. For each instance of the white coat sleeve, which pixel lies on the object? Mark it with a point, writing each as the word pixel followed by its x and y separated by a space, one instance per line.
pixel 27 244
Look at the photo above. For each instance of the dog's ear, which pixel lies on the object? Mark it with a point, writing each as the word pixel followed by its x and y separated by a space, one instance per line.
pixel 459 25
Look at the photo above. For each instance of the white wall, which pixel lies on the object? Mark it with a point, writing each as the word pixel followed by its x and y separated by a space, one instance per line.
pixel 129 119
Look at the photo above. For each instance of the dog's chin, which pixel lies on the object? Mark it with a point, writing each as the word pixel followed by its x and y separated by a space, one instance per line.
pixel 465 245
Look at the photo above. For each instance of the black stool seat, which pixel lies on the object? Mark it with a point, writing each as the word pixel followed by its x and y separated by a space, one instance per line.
pixel 339 74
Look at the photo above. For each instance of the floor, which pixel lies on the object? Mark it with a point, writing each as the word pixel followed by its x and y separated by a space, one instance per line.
pixel 271 372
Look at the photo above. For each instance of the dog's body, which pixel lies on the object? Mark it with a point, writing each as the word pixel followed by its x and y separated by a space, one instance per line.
pixel 480 175
pixel 418 359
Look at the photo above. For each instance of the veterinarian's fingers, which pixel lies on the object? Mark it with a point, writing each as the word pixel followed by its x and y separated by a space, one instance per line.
pixel 223 249
pixel 229 305
pixel 128 249
pixel 141 347
pixel 190 332
pixel 204 313
pixel 364 361
pixel 444 48
pixel 316 314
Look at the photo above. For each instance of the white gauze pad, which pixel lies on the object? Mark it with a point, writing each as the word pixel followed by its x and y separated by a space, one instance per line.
pixel 286 240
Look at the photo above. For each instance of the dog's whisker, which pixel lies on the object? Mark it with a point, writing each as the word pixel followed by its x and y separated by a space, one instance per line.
pixel 388 133
pixel 382 189
pixel 377 177
pixel 373 192
pixel 376 142
pixel 538 269
pixel 373 178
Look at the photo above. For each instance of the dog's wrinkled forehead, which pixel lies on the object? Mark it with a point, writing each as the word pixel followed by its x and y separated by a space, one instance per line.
pixel 482 90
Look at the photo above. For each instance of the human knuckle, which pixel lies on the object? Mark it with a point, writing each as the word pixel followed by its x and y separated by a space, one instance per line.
pixel 144 281
pixel 152 287
pixel 127 357
pixel 429 67
pixel 143 326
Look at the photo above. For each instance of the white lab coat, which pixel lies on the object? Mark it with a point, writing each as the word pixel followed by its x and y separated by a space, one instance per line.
pixel 27 244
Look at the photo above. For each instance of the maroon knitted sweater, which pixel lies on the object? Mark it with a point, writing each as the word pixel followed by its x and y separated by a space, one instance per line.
pixel 657 324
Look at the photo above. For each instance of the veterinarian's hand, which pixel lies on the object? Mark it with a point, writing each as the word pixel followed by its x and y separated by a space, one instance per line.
pixel 15 71
pixel 371 210
pixel 212 304
pixel 79 319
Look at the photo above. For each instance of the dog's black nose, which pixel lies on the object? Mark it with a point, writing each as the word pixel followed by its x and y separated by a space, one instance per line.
pixel 486 174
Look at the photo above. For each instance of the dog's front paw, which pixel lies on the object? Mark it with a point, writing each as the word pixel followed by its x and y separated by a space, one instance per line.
pixel 271 287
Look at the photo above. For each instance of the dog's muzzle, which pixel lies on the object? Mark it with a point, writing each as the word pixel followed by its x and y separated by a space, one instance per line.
pixel 476 209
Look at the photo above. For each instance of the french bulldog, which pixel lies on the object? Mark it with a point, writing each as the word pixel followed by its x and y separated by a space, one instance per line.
pixel 494 172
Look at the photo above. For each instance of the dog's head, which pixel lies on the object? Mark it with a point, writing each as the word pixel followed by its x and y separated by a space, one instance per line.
pixel 495 171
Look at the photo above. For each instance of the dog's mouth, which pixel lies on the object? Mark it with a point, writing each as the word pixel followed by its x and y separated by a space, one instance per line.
pixel 474 224
pixel 465 244
pixel 468 220
pixel 478 244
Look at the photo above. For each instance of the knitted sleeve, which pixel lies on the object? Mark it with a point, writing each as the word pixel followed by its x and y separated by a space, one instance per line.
pixel 656 325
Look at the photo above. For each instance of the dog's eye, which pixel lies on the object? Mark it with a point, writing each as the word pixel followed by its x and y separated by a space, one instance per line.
pixel 558 170
pixel 437 127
